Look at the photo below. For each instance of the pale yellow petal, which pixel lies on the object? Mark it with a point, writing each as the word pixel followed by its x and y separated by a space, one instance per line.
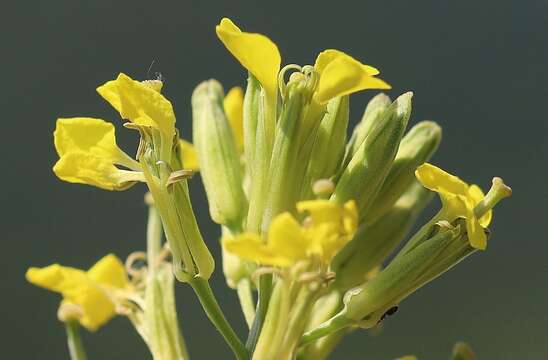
pixel 435 179
pixel 109 271
pixel 320 210
pixel 97 306
pixel 257 53
pixel 85 168
pixel 189 157
pixel 140 104
pixel 234 105
pixel 342 75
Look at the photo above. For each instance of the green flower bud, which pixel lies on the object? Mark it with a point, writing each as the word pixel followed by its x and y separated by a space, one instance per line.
pixel 362 178
pixel 373 243
pixel 296 128
pixel 371 115
pixel 217 155
pixel 329 144
pixel 367 303
pixel 416 148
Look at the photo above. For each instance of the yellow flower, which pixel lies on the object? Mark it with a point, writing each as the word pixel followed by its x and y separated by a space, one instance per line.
pixel 459 200
pixel 88 154
pixel 233 104
pixel 87 148
pixel 340 74
pixel 92 291
pixel 321 235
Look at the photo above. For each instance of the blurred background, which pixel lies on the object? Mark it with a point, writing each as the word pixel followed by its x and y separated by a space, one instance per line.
pixel 478 68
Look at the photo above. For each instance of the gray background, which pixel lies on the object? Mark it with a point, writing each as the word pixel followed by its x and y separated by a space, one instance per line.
pixel 478 68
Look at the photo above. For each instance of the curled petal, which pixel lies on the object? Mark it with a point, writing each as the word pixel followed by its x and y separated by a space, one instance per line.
pixel 257 53
pixel 140 103
pixel 475 194
pixel 109 271
pixel 342 75
pixel 476 234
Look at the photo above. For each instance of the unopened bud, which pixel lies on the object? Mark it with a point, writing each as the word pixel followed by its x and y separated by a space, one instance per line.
pixel 217 155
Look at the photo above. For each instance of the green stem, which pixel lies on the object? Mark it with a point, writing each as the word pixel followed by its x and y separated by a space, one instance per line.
pixel 154 237
pixel 76 347
pixel 215 314
pixel 246 300
pixel 336 323
pixel 264 290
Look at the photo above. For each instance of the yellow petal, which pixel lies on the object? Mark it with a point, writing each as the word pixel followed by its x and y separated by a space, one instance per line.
pixel 140 104
pixel 320 211
pixel 56 277
pixel 257 53
pixel 109 271
pixel 342 75
pixel 252 247
pixel 234 105
pixel 189 157
pixel 85 168
pixel 88 135
pixel 329 55
pixel 435 179
pixel 476 195
pixel 286 237
pixel 476 235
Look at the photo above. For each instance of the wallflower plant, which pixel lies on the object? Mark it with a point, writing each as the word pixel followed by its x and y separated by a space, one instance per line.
pixel 311 220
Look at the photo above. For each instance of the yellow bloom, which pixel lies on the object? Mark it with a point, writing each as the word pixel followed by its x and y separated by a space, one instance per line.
pixel 91 291
pixel 233 104
pixel 459 200
pixel 88 154
pixel 340 74
pixel 321 235
pixel 257 53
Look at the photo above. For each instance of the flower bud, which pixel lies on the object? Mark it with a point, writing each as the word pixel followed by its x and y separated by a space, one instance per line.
pixel 328 148
pixel 462 351
pixel 217 155
pixel 363 176
pixel 416 148
pixel 374 242
pixel 372 114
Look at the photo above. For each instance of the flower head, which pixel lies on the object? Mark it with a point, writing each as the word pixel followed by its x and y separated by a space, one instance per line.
pixel 459 200
pixel 320 236
pixel 339 74
pixel 92 292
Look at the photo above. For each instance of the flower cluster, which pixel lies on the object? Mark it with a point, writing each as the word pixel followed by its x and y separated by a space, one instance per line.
pixel 308 216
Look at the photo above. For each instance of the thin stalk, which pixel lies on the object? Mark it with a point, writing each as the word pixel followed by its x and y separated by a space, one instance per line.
pixel 264 292
pixel 75 345
pixel 215 314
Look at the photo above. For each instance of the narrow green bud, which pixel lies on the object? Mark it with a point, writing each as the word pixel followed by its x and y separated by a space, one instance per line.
pixel 373 243
pixel 217 155
pixel 372 113
pixel 416 148
pixel 329 145
pixel 296 128
pixel 362 178
pixel 367 303
pixel 252 111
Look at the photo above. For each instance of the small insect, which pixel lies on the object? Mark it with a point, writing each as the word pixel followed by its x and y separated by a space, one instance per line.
pixel 389 312
pixel 158 75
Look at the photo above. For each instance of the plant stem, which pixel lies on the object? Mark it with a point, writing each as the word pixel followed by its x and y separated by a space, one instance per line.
pixel 215 314
pixel 76 347
pixel 264 290
pixel 154 238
